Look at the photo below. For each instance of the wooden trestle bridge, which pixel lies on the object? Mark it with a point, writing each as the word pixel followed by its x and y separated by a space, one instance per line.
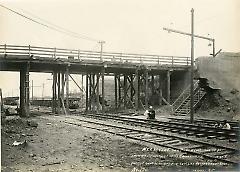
pixel 137 76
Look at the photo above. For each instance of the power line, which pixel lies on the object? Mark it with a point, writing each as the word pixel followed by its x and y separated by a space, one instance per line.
pixel 59 27
pixel 53 27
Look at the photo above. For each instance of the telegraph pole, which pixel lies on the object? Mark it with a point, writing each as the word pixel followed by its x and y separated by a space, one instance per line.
pixel 192 59
pixel 192 64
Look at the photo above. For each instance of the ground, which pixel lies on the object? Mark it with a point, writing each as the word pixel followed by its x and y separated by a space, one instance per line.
pixel 52 145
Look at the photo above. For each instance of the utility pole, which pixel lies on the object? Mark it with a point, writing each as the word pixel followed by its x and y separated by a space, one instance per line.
pixel 192 58
pixel 192 64
pixel 101 52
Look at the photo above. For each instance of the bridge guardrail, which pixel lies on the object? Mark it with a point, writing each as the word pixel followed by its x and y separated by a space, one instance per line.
pixel 94 55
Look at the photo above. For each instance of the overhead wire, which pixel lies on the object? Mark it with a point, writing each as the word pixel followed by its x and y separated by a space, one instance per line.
pixel 51 25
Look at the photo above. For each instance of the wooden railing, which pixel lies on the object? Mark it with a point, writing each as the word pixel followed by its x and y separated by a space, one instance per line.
pixel 46 52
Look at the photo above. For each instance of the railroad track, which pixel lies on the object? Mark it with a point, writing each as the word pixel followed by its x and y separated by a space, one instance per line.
pixel 223 154
pixel 175 127
pixel 210 122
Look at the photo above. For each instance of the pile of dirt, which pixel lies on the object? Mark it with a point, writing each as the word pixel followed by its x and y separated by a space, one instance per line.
pixel 221 104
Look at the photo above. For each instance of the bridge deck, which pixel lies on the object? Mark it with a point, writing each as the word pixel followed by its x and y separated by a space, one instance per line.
pixel 44 59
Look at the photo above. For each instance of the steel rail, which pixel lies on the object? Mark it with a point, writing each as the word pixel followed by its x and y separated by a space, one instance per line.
pixel 173 125
pixel 157 141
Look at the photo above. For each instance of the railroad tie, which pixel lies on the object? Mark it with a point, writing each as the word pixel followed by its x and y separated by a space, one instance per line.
pixel 170 142
pixel 221 153
pixel 211 137
pixel 190 134
pixel 180 144
pixel 200 135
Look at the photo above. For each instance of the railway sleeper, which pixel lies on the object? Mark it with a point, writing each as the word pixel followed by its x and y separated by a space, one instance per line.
pixel 137 135
pixel 156 138
pixel 130 133
pixel 222 152
pixel 180 144
pixel 170 142
pixel 194 147
pixel 159 140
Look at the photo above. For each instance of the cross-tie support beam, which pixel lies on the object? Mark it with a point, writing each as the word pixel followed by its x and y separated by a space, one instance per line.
pixel 124 91
pixel 95 99
pixel 60 91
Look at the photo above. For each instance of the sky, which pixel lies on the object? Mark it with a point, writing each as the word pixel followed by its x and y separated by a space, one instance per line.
pixel 131 26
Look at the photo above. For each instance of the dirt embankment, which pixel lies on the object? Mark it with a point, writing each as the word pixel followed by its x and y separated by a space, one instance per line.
pixel 222 76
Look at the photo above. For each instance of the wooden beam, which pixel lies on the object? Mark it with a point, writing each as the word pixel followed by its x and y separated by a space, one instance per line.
pixel 103 91
pixel 58 92
pixel 125 91
pixel 90 93
pixel 97 93
pixel 87 91
pixel 160 89
pixel 116 91
pixel 67 88
pixel 76 83
pixel 27 88
pixel 62 92
pixel 146 89
pixel 119 90
pixel 137 93
pixel 22 93
pixel 168 86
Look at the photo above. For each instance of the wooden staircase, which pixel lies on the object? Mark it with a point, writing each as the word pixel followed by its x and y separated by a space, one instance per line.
pixel 182 105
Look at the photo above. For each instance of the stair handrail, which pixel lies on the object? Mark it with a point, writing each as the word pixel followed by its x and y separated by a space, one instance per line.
pixel 182 97
pixel 199 98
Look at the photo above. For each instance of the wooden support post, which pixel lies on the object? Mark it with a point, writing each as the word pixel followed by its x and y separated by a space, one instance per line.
pixel 116 92
pixel 152 84
pixel 67 88
pixel 54 91
pixel 27 89
pixel 93 93
pixel 146 89
pixel 82 96
pixel 160 89
pixel 136 84
pixel 103 91
pixel 90 93
pixel 24 91
pixel 125 91
pixel 97 93
pixel 168 86
pixel 119 90
pixel 62 92
pixel 132 87
pixel 63 85
pixel 58 92
pixel 87 92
